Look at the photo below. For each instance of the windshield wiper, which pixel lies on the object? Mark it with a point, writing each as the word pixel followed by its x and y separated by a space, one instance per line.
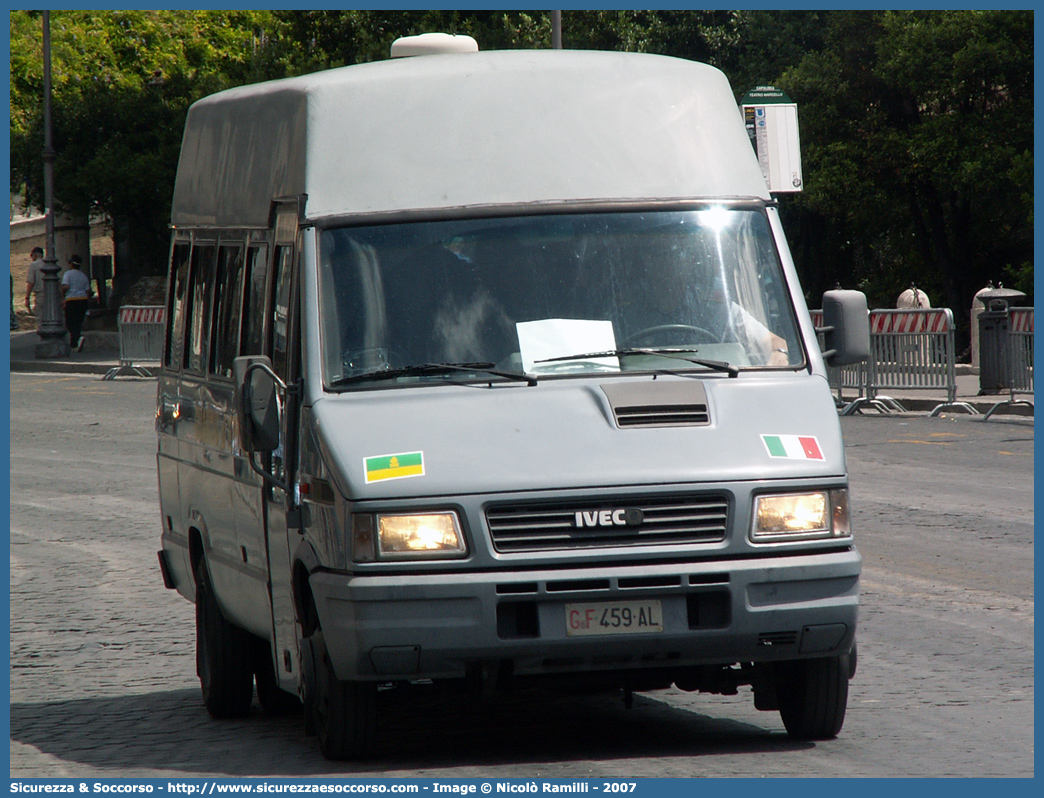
pixel 432 369
pixel 676 353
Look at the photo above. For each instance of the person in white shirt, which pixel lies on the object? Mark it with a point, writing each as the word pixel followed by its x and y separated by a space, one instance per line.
pixel 76 291
pixel 34 279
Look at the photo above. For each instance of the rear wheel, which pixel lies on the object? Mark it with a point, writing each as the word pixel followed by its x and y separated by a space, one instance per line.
pixel 813 696
pixel 223 654
pixel 343 714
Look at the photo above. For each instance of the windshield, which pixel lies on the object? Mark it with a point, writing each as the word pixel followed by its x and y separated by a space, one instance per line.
pixel 553 295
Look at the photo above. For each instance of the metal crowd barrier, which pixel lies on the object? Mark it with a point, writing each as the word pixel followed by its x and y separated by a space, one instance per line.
pixel 141 338
pixel 909 350
pixel 1020 358
pixel 914 350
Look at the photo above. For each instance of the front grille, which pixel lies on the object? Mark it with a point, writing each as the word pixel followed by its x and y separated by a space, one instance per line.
pixel 643 521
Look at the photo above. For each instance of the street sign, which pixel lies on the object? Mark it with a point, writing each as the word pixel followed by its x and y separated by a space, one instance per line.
pixel 772 124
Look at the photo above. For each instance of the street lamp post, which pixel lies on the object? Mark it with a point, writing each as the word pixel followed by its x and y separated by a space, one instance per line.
pixel 51 328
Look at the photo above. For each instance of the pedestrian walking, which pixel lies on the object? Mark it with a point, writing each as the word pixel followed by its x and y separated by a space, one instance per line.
pixel 34 279
pixel 76 291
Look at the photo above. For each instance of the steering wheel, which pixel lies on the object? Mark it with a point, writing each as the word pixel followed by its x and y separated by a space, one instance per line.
pixel 703 336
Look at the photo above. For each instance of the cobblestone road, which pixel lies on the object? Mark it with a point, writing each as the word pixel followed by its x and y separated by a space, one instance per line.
pixel 102 657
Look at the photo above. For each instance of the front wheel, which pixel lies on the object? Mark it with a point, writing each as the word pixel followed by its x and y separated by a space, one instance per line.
pixel 343 714
pixel 223 654
pixel 813 696
pixel 273 699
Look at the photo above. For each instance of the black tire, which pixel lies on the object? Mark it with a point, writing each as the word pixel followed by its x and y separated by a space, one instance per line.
pixel 343 714
pixel 813 696
pixel 274 700
pixel 308 684
pixel 223 655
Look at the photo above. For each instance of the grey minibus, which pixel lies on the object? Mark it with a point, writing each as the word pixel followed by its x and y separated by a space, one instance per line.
pixel 490 369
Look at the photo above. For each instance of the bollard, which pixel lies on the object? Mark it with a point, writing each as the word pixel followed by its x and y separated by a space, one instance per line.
pixel 977 307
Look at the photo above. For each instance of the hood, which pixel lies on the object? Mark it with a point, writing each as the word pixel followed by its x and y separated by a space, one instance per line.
pixel 565 434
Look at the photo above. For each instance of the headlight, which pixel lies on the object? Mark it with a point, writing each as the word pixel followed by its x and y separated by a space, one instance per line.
pixel 801 516
pixel 395 537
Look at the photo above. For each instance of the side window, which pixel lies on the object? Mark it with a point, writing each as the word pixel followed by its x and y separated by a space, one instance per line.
pixel 177 291
pixel 197 311
pixel 228 302
pixel 255 282
pixel 281 309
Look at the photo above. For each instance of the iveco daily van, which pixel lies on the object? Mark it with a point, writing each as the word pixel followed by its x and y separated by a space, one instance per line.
pixel 492 368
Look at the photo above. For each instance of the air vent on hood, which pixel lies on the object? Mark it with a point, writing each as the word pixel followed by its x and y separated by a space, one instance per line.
pixel 658 403
pixel 661 416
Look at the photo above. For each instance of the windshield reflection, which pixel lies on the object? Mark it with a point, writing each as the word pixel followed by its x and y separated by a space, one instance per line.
pixel 540 294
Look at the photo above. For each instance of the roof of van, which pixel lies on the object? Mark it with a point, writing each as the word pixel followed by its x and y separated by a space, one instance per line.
pixel 441 132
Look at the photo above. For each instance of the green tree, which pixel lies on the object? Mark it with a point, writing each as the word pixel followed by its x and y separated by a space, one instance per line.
pixel 916 126
pixel 338 38
pixel 122 84
pixel 917 144
pixel 916 133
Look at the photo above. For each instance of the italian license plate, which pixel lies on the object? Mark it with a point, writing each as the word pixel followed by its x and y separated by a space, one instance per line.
pixel 614 618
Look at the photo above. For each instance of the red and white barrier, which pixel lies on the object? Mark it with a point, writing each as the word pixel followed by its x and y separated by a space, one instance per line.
pixel 1020 320
pixel 932 321
pixel 143 314
pixel 910 349
pixel 141 330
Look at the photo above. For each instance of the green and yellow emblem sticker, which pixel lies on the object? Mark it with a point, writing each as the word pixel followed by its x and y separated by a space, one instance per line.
pixel 394 466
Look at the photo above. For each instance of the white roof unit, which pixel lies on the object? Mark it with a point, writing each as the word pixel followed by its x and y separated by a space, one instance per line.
pixel 432 44
pixel 498 128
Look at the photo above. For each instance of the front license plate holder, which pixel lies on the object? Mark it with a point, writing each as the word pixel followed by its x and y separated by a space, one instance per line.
pixel 633 617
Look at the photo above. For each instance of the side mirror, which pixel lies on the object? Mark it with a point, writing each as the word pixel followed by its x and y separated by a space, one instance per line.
pixel 257 403
pixel 846 328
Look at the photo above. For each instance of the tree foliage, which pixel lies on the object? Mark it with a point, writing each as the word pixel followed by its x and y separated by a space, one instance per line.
pixel 916 126
pixel 122 82
pixel 917 145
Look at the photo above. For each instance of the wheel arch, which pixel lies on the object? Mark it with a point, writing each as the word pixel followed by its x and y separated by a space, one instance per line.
pixel 196 553
pixel 305 562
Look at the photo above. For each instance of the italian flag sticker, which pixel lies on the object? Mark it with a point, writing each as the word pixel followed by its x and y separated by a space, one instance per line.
pixel 394 466
pixel 793 447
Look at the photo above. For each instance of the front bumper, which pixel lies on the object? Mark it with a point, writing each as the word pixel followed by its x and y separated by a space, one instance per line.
pixel 435 626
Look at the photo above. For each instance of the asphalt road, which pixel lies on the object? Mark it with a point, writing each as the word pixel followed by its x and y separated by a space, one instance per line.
pixel 102 657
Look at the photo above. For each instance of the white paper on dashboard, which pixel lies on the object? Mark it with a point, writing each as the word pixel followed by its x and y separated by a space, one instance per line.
pixel 548 338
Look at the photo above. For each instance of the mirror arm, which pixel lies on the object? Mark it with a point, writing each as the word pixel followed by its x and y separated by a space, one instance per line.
pixel 264 367
pixel 268 477
pixel 822 331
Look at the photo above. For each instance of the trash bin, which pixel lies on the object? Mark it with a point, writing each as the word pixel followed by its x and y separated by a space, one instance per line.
pixel 993 339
